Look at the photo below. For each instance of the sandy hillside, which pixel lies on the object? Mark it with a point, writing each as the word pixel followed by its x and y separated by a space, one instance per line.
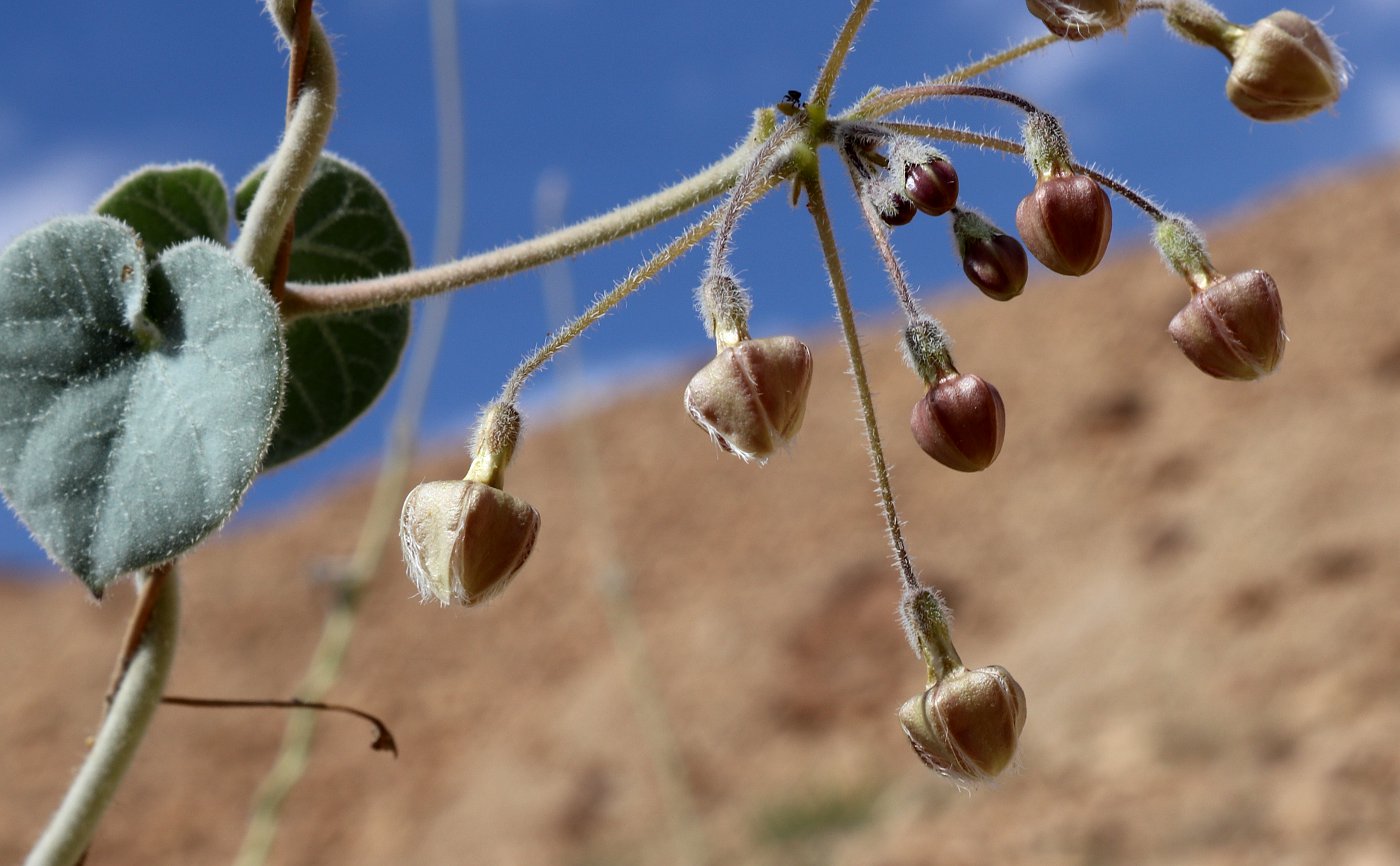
pixel 1195 582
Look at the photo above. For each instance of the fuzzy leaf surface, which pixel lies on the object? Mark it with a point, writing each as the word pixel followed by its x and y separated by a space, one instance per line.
pixel 337 365
pixel 170 204
pixel 137 399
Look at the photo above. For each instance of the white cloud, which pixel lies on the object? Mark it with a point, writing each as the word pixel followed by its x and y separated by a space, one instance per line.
pixel 61 183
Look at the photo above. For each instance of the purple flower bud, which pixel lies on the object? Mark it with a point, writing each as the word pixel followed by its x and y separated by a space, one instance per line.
pixel 1233 329
pixel 1284 68
pixel 898 211
pixel 994 261
pixel 751 398
pixel 1081 19
pixel 960 422
pixel 1065 222
pixel 464 540
pixel 932 186
pixel 968 725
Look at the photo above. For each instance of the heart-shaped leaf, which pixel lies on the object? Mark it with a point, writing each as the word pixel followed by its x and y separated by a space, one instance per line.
pixel 170 204
pixel 138 400
pixel 337 364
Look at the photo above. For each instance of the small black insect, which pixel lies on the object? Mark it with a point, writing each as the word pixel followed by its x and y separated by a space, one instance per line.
pixel 792 101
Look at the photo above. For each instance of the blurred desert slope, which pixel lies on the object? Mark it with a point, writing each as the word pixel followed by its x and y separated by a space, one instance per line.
pixel 1194 581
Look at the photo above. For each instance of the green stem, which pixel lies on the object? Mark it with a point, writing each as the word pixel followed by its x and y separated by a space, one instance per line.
pixel 514 258
pixel 826 80
pixel 289 171
pixel 128 716
pixel 816 204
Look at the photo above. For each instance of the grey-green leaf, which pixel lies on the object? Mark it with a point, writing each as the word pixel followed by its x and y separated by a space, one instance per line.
pixel 170 204
pixel 137 399
pixel 337 365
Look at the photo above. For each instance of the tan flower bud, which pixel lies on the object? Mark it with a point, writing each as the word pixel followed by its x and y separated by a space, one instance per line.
pixel 1284 68
pixel 1081 19
pixel 968 724
pixel 960 422
pixel 751 398
pixel 464 540
pixel 1233 329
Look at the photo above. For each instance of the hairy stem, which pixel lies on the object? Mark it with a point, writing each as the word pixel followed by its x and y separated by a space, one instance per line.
pixel 687 239
pixel 611 577
pixel 290 169
pixel 881 235
pixel 831 69
pixel 881 102
pixel 338 628
pixel 296 79
pixel 129 714
pixel 915 93
pixel 816 205
pixel 994 142
pixel 514 258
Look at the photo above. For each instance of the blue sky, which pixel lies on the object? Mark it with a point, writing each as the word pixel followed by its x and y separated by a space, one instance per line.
pixel 622 97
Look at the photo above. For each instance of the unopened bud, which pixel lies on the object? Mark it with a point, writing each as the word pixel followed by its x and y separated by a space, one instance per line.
pixel 1285 68
pixel 932 186
pixel 994 261
pixel 960 422
pixel 751 398
pixel 1081 19
pixel 464 540
pixel 1065 222
pixel 967 725
pixel 892 205
pixel 1233 329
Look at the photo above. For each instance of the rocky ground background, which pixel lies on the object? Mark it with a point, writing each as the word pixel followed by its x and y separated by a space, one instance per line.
pixel 1194 581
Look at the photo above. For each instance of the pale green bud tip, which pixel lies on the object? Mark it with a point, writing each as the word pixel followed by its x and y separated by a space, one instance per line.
pixel 968 725
pixel 926 620
pixel 1183 249
pixel 463 541
pixel 724 306
pixel 494 445
pixel 1047 146
pixel 928 349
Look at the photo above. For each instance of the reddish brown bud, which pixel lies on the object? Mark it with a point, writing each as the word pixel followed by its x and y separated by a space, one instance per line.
pixel 1284 68
pixel 752 396
pixel 967 726
pixel 960 422
pixel 1233 329
pixel 1081 19
pixel 994 261
pixel 464 540
pixel 898 211
pixel 932 186
pixel 1065 222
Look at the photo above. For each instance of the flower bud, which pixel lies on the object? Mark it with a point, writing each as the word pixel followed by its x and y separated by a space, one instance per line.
pixel 1081 19
pixel 1233 329
pixel 893 206
pixel 752 396
pixel 464 540
pixel 1065 222
pixel 932 186
pixel 994 261
pixel 1284 68
pixel 968 724
pixel 960 422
